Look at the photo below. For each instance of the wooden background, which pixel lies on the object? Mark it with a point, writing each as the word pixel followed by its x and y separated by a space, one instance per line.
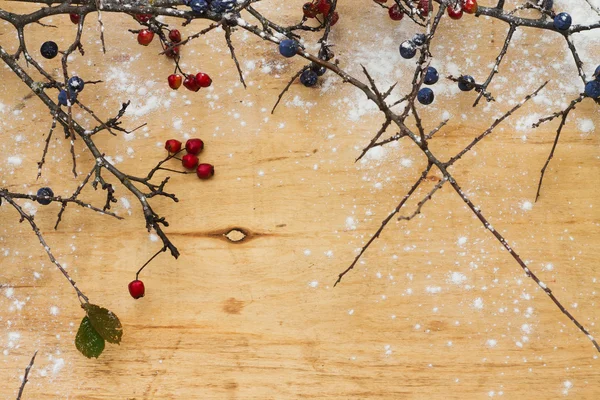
pixel 259 319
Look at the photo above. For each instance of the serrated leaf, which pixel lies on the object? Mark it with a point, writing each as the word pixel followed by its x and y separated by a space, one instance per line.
pixel 88 341
pixel 105 322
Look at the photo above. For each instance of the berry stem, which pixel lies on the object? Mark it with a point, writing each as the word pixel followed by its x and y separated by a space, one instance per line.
pixel 137 274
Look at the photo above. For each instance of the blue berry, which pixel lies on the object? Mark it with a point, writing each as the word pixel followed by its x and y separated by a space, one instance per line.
pixel 49 50
pixel 198 6
pixel 431 76
pixel 597 73
pixel 44 192
pixel 288 48
pixel 562 21
pixel 62 97
pixel 419 39
pixel 309 78
pixel 75 84
pixel 408 49
pixel 592 89
pixel 466 83
pixel 425 96
pixel 319 70
pixel 221 6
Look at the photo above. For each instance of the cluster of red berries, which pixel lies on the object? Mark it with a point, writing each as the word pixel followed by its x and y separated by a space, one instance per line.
pixel 322 7
pixel 191 82
pixel 190 161
pixel 456 11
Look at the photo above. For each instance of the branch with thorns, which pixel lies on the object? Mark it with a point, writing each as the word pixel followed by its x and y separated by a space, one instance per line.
pixel 268 30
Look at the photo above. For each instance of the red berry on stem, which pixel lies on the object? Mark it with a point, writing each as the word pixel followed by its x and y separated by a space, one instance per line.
pixel 145 36
pixel 205 171
pixel 454 13
pixel 175 36
pixel 395 12
pixel 335 17
pixel 310 10
pixel 194 146
pixel 190 83
pixel 324 6
pixel 172 52
pixel 470 6
pixel 189 161
pixel 424 7
pixel 137 289
pixel 143 17
pixel 173 145
pixel 75 18
pixel 203 80
pixel 175 81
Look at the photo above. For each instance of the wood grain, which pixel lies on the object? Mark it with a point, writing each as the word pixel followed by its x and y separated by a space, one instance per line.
pixel 259 318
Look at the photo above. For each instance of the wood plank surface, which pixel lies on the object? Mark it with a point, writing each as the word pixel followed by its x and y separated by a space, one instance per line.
pixel 435 310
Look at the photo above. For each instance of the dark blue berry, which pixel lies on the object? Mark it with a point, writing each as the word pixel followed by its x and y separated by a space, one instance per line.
pixel 419 39
pixel 198 6
pixel 62 97
pixel 76 84
pixel 431 76
pixel 592 89
pixel 309 78
pixel 221 6
pixel 288 48
pixel 466 83
pixel 425 96
pixel 49 50
pixel 597 73
pixel 408 49
pixel 562 21
pixel 44 192
pixel 319 70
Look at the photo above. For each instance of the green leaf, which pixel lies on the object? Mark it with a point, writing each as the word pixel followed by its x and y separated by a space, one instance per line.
pixel 105 322
pixel 88 341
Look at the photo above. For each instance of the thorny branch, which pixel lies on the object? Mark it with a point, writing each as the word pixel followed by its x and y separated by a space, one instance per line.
pixel 26 376
pixel 273 32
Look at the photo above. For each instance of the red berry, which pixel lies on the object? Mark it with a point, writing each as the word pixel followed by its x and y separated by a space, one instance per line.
pixel 310 10
pixel 324 6
pixel 203 80
pixel 175 81
pixel 424 7
pixel 470 6
pixel 454 13
pixel 395 12
pixel 190 83
pixel 194 146
pixel 137 289
pixel 172 52
pixel 145 37
pixel 189 161
pixel 143 17
pixel 205 171
pixel 175 36
pixel 75 18
pixel 173 145
pixel 334 18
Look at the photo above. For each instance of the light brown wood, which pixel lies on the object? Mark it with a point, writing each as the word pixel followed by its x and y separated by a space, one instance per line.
pixel 259 319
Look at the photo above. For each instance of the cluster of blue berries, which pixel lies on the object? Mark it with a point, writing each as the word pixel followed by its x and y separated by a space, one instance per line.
pixel 425 95
pixel 217 6
pixel 288 48
pixel 408 48
pixel 74 86
pixel 592 88
pixel 43 195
